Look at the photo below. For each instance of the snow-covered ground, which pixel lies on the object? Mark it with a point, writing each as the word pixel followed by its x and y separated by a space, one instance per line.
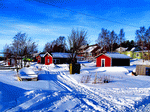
pixel 58 91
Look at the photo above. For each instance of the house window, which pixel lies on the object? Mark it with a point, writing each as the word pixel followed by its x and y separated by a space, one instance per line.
pixel 145 54
pixel 48 60
pixel 56 61
pixel 137 54
pixel 102 62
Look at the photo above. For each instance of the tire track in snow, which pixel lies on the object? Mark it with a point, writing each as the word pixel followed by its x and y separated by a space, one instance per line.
pixel 89 95
pixel 78 97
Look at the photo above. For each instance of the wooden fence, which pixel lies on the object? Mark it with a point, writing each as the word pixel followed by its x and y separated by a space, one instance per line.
pixel 141 69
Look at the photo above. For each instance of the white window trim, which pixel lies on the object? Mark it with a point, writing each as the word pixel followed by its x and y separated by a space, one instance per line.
pixel 102 61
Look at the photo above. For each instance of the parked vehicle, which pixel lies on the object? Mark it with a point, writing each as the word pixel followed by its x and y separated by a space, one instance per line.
pixel 27 74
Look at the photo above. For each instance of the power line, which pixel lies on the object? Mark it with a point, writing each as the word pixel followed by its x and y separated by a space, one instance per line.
pixel 87 14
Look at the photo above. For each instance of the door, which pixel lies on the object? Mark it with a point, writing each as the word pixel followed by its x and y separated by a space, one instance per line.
pixel 102 62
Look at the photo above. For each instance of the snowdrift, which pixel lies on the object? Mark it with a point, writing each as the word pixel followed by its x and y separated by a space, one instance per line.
pixel 27 74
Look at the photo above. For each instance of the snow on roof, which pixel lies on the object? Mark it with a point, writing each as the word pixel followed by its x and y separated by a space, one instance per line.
pixel 142 51
pixel 133 49
pixel 121 49
pixel 35 54
pixel 90 49
pixel 42 55
pixel 60 55
pixel 83 46
pixel 118 56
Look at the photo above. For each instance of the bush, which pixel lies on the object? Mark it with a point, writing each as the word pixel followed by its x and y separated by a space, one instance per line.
pixel 102 79
pixel 86 79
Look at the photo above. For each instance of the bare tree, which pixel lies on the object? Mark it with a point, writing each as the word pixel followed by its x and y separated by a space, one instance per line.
pixel 121 38
pixel 103 38
pixel 21 46
pixel 141 38
pixel 61 43
pixel 58 45
pixel 76 40
pixel 112 39
pixel 147 34
pixel 48 47
pixel 7 52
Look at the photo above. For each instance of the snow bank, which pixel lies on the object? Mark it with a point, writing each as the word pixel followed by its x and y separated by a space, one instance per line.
pixel 139 62
pixel 58 91
pixel 26 71
pixel 113 69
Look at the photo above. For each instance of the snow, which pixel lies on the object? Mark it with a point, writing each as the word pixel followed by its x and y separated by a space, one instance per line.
pixel 121 49
pixel 140 62
pixel 43 55
pixel 59 91
pixel 26 71
pixel 90 49
pixel 118 55
pixel 83 46
pixel 60 55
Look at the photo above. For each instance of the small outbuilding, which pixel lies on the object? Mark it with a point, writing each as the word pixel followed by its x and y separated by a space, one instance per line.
pixel 46 59
pixel 112 59
pixel 61 58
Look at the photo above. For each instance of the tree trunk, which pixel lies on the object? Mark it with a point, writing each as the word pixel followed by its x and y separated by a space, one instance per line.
pixel 142 52
pixel 148 49
pixel 111 48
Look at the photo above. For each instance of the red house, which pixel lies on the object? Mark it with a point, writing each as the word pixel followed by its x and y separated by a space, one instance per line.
pixel 112 59
pixel 46 59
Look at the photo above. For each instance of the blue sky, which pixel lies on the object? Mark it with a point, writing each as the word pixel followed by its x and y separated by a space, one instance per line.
pixel 44 22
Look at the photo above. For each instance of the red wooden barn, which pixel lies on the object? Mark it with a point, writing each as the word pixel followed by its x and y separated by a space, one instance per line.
pixel 46 59
pixel 112 59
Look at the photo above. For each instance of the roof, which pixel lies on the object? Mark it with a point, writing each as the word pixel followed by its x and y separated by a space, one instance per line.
pixel 116 56
pixel 90 49
pixel 35 54
pixel 121 49
pixel 143 51
pixel 83 46
pixel 43 55
pixel 60 55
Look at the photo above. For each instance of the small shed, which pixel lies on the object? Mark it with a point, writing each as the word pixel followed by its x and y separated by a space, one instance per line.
pixel 112 59
pixel 143 70
pixel 46 59
pixel 60 58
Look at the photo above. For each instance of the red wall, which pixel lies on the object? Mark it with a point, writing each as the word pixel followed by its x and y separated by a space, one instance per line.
pixel 50 60
pixel 9 63
pixel 107 61
pixel 38 59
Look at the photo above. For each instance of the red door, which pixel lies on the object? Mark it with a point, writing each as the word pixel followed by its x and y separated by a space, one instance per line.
pixel 103 61
pixel 48 60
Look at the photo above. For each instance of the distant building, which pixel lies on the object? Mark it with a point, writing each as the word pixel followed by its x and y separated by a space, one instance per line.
pixel 46 59
pixel 112 59
pixel 55 57
pixel 60 58
pixel 135 52
pixel 88 52
pixel 121 49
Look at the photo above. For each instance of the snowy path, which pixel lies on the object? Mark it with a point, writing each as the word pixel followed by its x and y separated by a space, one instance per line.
pixel 58 91
pixel 71 97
